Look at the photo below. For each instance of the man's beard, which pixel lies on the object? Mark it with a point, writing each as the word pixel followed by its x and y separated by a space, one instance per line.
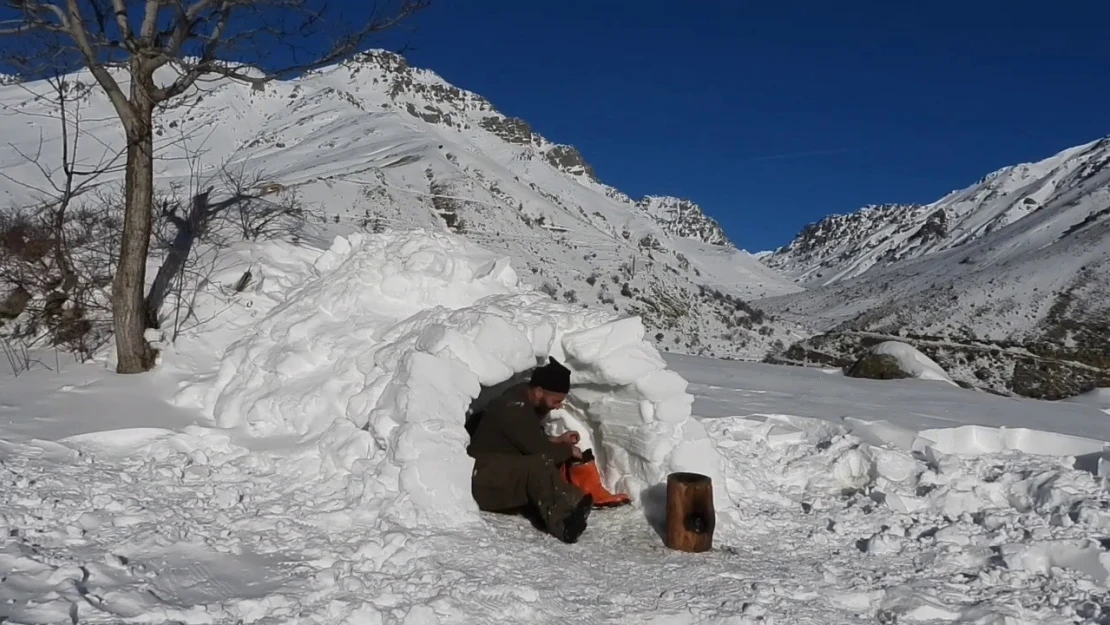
pixel 541 410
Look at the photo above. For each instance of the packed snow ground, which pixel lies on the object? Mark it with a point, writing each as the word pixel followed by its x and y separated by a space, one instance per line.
pixel 903 407
pixel 207 492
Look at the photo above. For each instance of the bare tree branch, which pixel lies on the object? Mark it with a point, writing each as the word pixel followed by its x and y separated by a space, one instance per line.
pixel 132 39
pixel 50 254
pixel 208 58
pixel 21 29
pixel 122 21
pixel 109 161
pixel 74 25
pixel 219 40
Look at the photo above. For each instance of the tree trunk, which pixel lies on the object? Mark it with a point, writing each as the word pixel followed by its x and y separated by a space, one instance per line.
pixel 133 353
pixel 690 514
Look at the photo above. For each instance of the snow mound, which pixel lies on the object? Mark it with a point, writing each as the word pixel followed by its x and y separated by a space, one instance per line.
pixel 373 359
pixel 1032 515
pixel 906 360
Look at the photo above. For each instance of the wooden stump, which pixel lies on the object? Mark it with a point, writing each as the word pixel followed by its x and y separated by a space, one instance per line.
pixel 691 517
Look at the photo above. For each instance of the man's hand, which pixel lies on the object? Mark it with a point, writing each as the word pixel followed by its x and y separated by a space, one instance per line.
pixel 576 453
pixel 567 438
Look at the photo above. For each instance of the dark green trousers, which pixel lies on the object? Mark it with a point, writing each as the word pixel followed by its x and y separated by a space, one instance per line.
pixel 509 482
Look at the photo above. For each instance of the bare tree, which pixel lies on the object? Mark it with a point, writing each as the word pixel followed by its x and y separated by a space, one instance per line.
pixel 133 39
pixel 51 260
pixel 258 210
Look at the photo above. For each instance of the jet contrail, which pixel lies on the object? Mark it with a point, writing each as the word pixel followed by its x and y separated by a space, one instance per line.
pixel 776 157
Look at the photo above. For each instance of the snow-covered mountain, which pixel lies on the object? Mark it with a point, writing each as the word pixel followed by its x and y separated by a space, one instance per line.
pixel 683 218
pixel 1006 282
pixel 844 246
pixel 374 144
pixel 840 246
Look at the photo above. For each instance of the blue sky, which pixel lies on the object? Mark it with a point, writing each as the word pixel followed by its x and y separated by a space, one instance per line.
pixel 773 114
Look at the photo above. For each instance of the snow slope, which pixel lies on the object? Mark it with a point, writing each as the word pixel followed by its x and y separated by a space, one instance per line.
pixel 374 144
pixel 1017 263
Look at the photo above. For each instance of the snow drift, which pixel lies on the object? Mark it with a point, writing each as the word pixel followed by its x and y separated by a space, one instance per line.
pixel 374 358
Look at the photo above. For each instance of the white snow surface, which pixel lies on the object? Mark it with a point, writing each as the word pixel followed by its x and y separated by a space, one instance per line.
pixel 912 361
pixel 237 484
pixel 1098 397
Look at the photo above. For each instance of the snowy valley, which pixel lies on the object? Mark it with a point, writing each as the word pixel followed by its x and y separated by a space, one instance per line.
pixel 297 455
pixel 1005 283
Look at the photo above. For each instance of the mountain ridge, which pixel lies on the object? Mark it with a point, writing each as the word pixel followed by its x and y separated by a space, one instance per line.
pixel 679 216
pixel 894 227
pixel 373 143
pixel 1005 282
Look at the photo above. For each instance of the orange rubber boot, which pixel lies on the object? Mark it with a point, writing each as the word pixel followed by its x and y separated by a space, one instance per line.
pixel 585 475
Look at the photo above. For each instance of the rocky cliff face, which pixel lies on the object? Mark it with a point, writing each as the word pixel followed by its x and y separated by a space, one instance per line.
pixel 682 218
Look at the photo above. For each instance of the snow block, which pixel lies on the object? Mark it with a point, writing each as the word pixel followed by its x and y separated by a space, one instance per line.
pixel 621 367
pixel 594 344
pixel 675 410
pixel 374 355
pixel 660 385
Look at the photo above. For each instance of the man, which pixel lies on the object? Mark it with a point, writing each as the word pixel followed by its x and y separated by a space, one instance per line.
pixel 516 465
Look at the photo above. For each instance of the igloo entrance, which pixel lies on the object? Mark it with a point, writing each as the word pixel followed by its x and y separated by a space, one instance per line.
pixel 569 417
pixel 637 432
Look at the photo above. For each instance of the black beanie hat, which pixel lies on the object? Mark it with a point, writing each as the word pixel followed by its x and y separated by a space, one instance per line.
pixel 552 377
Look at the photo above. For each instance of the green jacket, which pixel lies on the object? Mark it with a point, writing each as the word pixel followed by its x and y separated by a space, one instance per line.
pixel 508 425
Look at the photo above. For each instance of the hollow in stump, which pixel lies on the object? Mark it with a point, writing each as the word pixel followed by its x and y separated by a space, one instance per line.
pixel 691 517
